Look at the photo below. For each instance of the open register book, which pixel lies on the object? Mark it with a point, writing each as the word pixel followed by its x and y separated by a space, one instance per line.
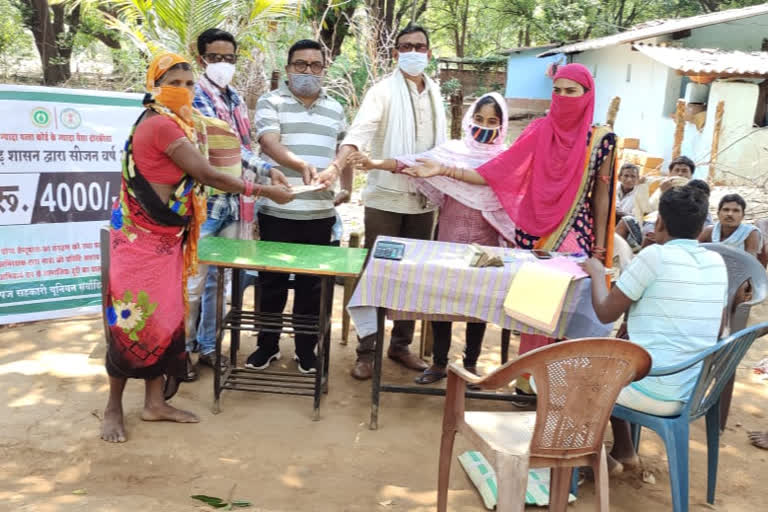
pixel 538 291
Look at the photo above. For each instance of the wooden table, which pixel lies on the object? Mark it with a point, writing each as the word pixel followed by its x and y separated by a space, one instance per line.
pixel 322 261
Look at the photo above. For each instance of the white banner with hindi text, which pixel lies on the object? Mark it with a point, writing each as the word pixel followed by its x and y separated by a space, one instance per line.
pixel 60 161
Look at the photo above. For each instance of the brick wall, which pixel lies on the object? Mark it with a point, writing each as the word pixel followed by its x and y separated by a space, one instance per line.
pixel 472 80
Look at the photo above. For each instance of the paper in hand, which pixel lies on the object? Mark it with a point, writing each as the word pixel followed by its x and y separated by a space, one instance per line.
pixel 303 189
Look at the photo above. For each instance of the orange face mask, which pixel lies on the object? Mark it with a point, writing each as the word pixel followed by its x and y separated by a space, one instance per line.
pixel 178 99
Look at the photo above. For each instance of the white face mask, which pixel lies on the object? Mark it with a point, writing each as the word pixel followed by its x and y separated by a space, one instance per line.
pixel 413 63
pixel 220 73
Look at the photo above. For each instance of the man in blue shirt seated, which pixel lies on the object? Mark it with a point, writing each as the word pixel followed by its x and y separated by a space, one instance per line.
pixel 675 292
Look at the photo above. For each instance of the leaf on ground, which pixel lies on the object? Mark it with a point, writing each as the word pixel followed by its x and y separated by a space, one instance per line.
pixel 79 492
pixel 241 503
pixel 210 500
pixel 385 503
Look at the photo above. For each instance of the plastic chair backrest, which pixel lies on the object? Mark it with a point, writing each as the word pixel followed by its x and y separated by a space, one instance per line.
pixel 718 367
pixel 741 266
pixel 577 384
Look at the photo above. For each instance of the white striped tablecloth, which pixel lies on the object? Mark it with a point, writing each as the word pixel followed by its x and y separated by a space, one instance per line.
pixel 434 281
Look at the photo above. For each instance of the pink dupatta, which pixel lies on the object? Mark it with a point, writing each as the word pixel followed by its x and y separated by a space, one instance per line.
pixel 538 177
pixel 469 154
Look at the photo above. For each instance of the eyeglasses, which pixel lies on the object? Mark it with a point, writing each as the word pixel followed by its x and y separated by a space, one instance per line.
pixel 409 47
pixel 212 58
pixel 301 66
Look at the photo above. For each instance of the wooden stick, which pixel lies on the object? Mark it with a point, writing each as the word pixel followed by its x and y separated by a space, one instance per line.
pixel 679 129
pixel 457 114
pixel 613 111
pixel 716 139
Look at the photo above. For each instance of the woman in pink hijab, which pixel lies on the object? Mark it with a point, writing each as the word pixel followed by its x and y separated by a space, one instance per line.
pixel 555 182
pixel 468 213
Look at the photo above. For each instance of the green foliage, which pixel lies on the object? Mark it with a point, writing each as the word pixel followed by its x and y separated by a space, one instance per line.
pixel 449 87
pixel 16 44
pixel 173 25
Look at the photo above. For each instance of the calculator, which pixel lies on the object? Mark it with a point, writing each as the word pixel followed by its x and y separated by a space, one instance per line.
pixel 389 250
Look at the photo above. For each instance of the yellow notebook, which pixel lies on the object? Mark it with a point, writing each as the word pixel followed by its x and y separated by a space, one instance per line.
pixel 537 295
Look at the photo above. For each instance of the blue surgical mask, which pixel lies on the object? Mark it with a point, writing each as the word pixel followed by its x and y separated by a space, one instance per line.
pixel 484 135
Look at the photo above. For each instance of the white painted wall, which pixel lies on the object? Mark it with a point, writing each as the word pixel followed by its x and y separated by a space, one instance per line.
pixel 743 150
pixel 642 96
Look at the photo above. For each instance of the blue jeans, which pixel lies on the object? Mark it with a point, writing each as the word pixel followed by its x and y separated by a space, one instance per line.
pixel 225 226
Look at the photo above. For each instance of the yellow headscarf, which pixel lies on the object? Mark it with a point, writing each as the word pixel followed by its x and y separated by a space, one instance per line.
pixel 162 97
pixel 186 118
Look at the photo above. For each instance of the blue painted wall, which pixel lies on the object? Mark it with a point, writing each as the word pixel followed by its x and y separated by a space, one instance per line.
pixel 525 75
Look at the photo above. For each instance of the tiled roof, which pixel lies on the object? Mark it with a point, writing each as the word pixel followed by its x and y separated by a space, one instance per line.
pixel 706 61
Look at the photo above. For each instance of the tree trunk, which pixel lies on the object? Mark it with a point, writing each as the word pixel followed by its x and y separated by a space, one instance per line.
pixel 54 31
pixel 336 29
pixel 383 12
pixel 463 27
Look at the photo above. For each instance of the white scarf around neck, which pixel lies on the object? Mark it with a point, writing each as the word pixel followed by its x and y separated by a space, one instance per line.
pixel 400 137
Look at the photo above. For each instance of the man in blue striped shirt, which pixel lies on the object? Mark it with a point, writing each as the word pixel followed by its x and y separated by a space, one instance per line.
pixel 676 293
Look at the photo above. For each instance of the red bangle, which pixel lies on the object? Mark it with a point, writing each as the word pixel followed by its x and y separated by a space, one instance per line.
pixel 248 187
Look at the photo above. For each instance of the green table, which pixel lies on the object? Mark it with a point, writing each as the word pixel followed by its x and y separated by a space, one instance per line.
pixel 326 262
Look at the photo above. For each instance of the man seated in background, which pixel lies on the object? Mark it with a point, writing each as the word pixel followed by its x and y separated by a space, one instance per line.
pixel 730 228
pixel 649 238
pixel 642 218
pixel 629 175
pixel 660 288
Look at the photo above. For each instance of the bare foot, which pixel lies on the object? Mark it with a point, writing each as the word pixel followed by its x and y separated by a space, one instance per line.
pixel 629 463
pixel 166 412
pixel 112 429
pixel 614 467
pixel 759 439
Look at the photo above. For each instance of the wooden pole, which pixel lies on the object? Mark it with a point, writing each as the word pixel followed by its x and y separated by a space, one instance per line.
pixel 613 111
pixel 457 114
pixel 679 129
pixel 716 139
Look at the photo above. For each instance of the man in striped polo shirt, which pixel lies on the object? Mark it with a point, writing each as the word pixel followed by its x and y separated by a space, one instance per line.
pixel 676 293
pixel 299 128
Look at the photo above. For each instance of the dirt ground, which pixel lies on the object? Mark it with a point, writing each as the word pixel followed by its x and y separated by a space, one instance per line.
pixel 53 388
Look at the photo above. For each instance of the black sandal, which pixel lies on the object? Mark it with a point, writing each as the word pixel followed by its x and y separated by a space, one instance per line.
pixel 191 374
pixel 171 387
pixel 473 371
pixel 430 376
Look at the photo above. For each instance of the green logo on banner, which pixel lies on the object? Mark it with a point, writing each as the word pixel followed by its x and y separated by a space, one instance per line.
pixel 41 117
pixel 70 118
